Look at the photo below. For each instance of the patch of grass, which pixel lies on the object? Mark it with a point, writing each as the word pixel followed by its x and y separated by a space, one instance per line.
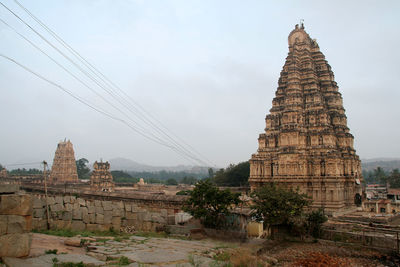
pixel 102 240
pixel 71 233
pixel 51 251
pixel 54 260
pixel 225 256
pixel 152 234
pixel 123 261
pixel 193 261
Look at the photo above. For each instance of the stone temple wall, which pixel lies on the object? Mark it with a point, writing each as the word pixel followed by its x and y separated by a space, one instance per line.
pixel 15 222
pixel 86 213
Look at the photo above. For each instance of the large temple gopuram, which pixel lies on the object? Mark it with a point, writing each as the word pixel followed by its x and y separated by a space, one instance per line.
pixel 307 143
pixel 64 166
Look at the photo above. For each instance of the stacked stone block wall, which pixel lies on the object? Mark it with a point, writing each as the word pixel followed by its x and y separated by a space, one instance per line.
pixel 83 213
pixel 15 222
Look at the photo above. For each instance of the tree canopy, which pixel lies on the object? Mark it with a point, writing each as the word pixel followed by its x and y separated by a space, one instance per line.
pixel 210 204
pixel 233 175
pixel 277 205
pixel 82 169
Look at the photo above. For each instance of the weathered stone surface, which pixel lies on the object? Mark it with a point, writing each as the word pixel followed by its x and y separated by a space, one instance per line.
pixel 39 224
pixel 68 207
pixel 91 227
pixel 59 200
pixel 117 211
pixel 131 215
pixel 85 214
pixel 17 224
pixel 99 210
pixel 107 216
pixel 97 203
pixel 81 202
pixel 78 226
pixel 91 209
pixel 9 188
pixel 92 218
pixel 39 213
pixel 128 207
pixel 107 205
pixel 75 205
pixel 116 223
pixel 57 207
pixel 51 201
pixel 67 215
pixel 67 199
pixel 38 203
pixel 15 245
pixel 77 214
pixel 16 204
pixel 3 224
pixel 99 218
pixel 306 143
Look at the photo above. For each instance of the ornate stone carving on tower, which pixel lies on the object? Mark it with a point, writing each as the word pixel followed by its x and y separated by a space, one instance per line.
pixel 64 165
pixel 307 143
pixel 101 178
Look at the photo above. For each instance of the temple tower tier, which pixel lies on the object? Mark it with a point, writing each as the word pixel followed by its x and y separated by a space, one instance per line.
pixel 306 143
pixel 64 166
pixel 101 178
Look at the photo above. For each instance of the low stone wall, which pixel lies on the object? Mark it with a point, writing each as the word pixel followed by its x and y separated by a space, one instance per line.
pixel 15 222
pixel 100 212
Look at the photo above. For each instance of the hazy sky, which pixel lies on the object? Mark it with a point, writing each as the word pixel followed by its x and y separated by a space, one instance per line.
pixel 208 70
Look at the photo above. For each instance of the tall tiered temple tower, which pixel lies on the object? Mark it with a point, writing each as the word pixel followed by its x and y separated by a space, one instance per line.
pixel 101 178
pixel 307 143
pixel 64 166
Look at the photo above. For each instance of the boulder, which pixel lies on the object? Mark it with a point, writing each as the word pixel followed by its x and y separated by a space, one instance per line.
pixel 15 245
pixel 18 204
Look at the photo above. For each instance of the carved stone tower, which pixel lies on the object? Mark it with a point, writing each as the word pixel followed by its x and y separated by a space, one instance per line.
pixel 101 178
pixel 307 143
pixel 64 165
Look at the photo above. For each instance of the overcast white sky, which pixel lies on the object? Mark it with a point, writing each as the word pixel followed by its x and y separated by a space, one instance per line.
pixel 207 69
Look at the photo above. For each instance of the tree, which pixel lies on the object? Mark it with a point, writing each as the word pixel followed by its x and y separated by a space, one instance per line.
pixel 209 204
pixel 380 175
pixel 188 180
pixel 171 181
pixel 210 173
pixel 233 175
pixel 314 221
pixel 82 169
pixel 276 205
pixel 394 178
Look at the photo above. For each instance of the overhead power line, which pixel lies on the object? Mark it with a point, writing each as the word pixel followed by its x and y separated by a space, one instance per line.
pixel 113 90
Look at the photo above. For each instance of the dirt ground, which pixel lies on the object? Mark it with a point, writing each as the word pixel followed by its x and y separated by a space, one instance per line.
pixel 324 253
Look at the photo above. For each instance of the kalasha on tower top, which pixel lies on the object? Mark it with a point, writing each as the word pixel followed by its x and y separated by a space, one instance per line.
pixel 307 143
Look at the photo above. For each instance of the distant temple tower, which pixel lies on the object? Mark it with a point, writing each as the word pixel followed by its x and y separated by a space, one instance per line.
pixel 307 143
pixel 3 173
pixel 64 165
pixel 101 178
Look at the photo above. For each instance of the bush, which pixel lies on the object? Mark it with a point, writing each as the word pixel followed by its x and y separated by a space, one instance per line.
pixel 315 219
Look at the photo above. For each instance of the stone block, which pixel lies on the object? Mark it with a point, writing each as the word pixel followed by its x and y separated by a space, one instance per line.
pixel 15 245
pixel 107 216
pixel 16 204
pixel 99 218
pixel 143 216
pixel 39 213
pixel 155 217
pixel 59 200
pixel 67 199
pixel 119 204
pixel 57 207
pixel 77 214
pixel 60 224
pixel 75 205
pixel 78 226
pixel 9 188
pixel 97 203
pixel 73 199
pixel 51 201
pixel 91 227
pixel 107 205
pixel 66 215
pixel 81 202
pixel 91 209
pixel 116 223
pixel 86 218
pixel 38 203
pixel 99 210
pixel 3 224
pixel 128 207
pixel 39 224
pixel 69 207
pixel 131 215
pixel 164 213
pixel 18 224
pixel 92 217
pixel 117 212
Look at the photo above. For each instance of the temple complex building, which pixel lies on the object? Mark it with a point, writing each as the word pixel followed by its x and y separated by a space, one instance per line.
pixel 64 166
pixel 307 144
pixel 101 178
pixel 3 173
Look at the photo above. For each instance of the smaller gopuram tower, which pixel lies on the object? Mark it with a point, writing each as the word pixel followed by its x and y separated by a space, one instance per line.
pixel 101 178
pixel 64 165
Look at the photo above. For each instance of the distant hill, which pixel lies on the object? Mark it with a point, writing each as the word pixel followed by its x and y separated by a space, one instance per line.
pixel 387 164
pixel 133 166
